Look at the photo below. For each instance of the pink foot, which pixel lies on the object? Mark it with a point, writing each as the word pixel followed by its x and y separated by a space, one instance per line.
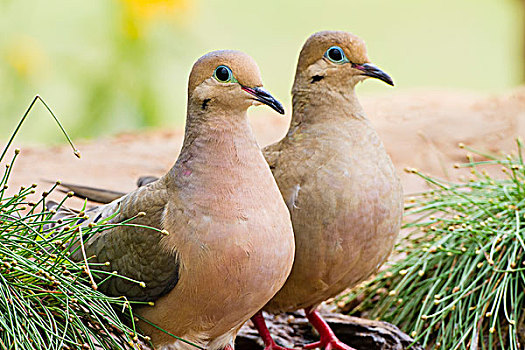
pixel 260 325
pixel 328 339
pixel 328 344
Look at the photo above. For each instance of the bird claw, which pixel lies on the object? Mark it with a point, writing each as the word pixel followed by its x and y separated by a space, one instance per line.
pixel 273 346
pixel 338 345
pixel 328 344
pixel 260 325
pixel 315 345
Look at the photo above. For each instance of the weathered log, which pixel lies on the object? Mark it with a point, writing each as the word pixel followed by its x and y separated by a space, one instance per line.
pixel 293 329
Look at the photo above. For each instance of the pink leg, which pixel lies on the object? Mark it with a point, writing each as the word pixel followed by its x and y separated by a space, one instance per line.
pixel 260 325
pixel 328 339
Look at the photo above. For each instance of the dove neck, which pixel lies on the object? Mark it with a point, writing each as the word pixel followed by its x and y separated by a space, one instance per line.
pixel 215 124
pixel 321 105
pixel 218 138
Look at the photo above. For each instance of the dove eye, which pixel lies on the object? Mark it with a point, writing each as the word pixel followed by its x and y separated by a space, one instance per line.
pixel 223 74
pixel 336 55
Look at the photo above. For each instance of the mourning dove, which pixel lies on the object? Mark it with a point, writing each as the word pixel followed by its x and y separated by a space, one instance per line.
pixel 344 196
pixel 227 244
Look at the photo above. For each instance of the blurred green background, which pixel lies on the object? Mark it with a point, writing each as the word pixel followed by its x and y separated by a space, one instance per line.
pixel 106 66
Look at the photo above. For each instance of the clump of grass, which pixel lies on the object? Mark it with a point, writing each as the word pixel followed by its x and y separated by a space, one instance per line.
pixel 461 281
pixel 47 300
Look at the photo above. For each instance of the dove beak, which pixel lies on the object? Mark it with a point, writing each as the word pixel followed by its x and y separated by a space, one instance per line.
pixel 372 71
pixel 264 96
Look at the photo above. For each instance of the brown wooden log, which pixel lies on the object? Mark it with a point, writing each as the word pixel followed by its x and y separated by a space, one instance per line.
pixel 293 329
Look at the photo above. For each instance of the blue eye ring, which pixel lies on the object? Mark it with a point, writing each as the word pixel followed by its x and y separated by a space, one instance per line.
pixel 336 55
pixel 223 74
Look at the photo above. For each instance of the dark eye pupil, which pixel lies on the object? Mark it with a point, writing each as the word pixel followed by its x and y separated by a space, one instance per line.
pixel 222 74
pixel 335 54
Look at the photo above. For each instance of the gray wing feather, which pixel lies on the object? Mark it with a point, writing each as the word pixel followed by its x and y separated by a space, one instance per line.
pixel 101 195
pixel 132 251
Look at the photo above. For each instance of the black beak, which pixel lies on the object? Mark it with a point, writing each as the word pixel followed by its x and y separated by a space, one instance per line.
pixel 372 71
pixel 264 96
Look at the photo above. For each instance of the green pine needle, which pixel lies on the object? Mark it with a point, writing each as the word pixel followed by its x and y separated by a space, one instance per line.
pixel 47 300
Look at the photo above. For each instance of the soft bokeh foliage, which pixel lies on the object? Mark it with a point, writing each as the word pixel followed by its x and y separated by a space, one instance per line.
pixel 112 65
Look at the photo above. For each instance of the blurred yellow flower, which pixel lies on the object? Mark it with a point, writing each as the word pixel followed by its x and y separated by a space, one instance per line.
pixel 148 9
pixel 25 56
pixel 138 13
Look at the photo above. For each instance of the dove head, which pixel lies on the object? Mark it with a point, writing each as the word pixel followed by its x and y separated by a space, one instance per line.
pixel 335 58
pixel 227 80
